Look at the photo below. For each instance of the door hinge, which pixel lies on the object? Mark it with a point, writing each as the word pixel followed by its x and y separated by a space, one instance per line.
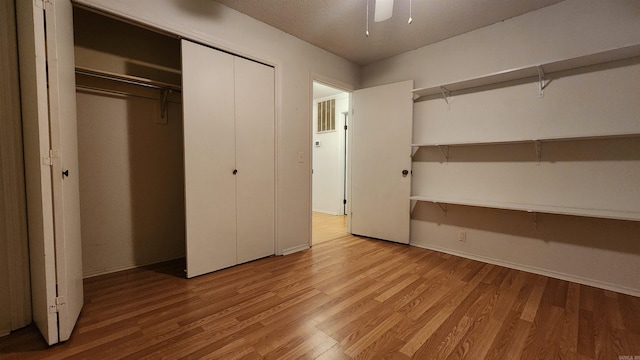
pixel 48 160
pixel 43 4
pixel 345 128
pixel 60 303
pixel 344 202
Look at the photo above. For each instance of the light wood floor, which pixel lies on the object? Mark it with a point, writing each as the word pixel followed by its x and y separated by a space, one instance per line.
pixel 345 298
pixel 327 227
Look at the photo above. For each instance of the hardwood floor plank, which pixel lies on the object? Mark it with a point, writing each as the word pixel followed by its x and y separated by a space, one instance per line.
pixel 586 336
pixel 510 339
pixel 569 340
pixel 531 308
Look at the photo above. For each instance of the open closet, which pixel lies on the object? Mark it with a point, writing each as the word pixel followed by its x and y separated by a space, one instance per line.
pixel 152 181
pixel 130 144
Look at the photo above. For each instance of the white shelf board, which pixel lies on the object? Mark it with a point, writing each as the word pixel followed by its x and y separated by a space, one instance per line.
pixel 531 71
pixel 524 141
pixel 598 213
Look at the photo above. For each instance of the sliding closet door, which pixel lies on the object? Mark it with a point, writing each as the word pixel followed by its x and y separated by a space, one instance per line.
pixel 255 154
pixel 209 158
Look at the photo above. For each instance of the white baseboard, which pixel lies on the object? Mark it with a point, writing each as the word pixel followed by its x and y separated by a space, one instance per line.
pixel 295 249
pixel 535 270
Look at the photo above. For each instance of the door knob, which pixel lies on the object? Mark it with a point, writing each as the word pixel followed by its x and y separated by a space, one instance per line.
pixel 405 173
pixel 65 173
pixel 235 171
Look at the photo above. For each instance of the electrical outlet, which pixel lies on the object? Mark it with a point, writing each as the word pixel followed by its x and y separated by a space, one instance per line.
pixel 462 235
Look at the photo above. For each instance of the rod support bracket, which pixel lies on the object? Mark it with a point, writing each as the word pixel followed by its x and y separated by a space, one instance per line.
pixel 446 95
pixel 444 150
pixel 534 218
pixel 542 83
pixel 443 207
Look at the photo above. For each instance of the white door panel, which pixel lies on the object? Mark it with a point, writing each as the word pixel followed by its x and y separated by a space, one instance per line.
pixel 66 188
pixel 255 154
pixel 380 152
pixel 209 158
pixel 49 123
pixel 35 129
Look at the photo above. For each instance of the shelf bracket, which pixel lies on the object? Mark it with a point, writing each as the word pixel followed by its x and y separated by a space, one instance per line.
pixel 443 207
pixel 538 145
pixel 534 216
pixel 163 104
pixel 445 152
pixel 446 95
pixel 542 83
pixel 414 150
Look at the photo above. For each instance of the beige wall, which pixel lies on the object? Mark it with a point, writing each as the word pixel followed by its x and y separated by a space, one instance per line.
pixel 132 184
pixel 295 61
pixel 584 174
pixel 15 295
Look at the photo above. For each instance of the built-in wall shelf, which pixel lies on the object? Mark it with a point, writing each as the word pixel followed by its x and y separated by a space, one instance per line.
pixel 548 209
pixel 534 72
pixel 524 141
pixel 444 147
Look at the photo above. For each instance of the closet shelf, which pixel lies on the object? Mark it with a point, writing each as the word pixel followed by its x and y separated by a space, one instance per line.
pixel 534 71
pixel 526 141
pixel 561 210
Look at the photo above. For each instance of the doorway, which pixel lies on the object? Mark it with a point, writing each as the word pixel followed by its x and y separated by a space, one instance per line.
pixel 330 123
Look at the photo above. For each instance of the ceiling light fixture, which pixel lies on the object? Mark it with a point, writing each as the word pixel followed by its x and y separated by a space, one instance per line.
pixel 383 10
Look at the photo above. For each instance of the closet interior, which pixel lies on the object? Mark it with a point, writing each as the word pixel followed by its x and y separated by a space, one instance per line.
pixel 130 144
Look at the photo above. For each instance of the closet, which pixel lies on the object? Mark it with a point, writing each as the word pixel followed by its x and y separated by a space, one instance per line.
pixel 229 158
pixel 176 150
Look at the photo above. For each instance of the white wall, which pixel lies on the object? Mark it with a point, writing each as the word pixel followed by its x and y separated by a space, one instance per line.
pixel 15 294
pixel 587 174
pixel 296 62
pixel 568 29
pixel 328 160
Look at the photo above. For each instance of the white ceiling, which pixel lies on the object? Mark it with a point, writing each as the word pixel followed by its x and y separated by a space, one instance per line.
pixel 338 26
pixel 322 91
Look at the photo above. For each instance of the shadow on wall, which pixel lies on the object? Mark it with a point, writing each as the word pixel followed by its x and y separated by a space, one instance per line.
pixel 156 171
pixel 146 54
pixel 199 8
pixel 612 235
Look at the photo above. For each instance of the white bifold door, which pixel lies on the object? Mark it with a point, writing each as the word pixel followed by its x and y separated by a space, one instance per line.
pixel 47 80
pixel 229 153
pixel 381 162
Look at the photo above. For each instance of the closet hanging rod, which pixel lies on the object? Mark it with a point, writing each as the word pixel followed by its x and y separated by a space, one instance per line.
pixel 127 79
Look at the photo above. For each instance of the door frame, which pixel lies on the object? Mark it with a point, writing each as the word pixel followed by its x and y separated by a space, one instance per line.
pixel 315 77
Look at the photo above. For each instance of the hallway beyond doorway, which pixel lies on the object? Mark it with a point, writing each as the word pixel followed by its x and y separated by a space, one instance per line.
pixel 328 227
